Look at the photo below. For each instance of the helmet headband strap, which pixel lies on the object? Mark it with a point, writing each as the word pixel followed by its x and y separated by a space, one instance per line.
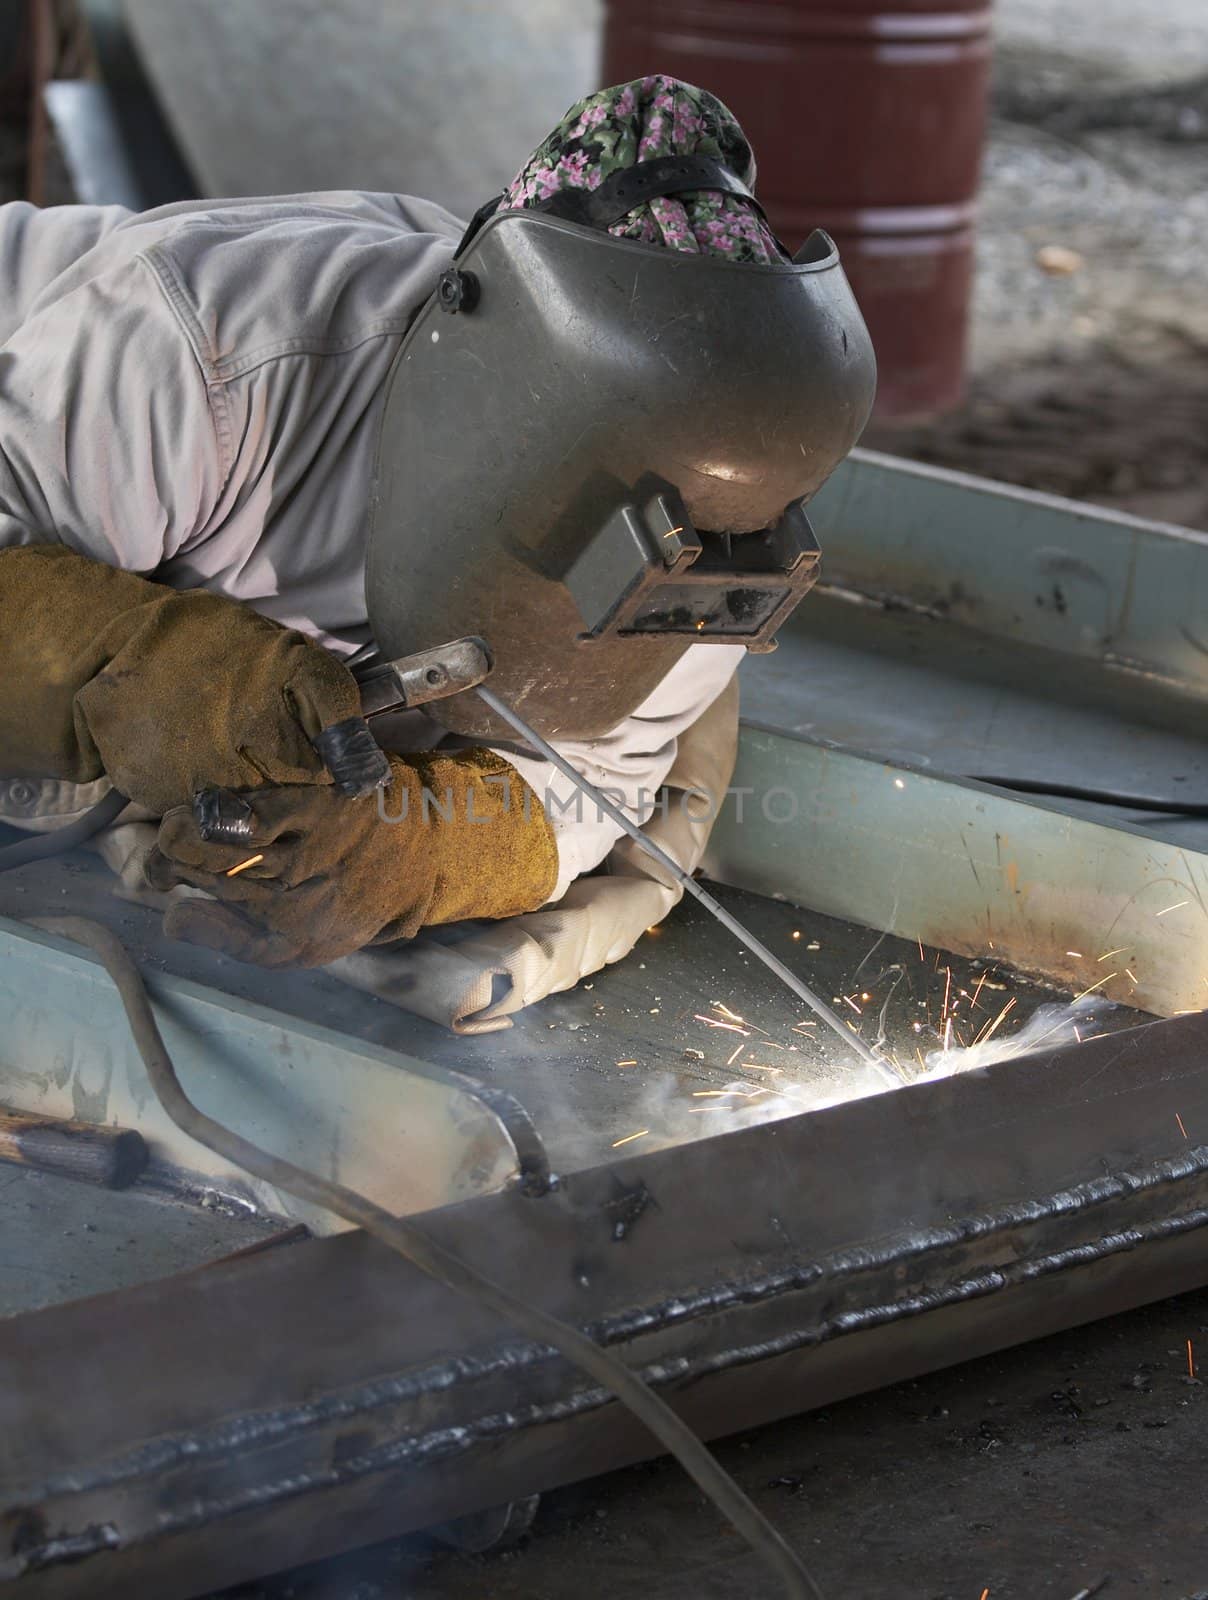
pixel 627 189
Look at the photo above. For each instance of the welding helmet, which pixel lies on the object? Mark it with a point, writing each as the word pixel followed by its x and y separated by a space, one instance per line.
pixel 594 453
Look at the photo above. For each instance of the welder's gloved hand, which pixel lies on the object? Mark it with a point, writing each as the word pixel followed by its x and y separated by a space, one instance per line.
pixel 104 673
pixel 336 875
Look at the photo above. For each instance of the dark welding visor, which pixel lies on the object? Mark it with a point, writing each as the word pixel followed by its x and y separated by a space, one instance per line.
pixel 595 452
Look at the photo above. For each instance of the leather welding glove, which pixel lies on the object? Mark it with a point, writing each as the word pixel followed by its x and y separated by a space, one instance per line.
pixel 104 673
pixel 335 874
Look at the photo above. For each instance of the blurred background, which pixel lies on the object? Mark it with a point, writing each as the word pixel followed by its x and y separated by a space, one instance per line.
pixel 1018 188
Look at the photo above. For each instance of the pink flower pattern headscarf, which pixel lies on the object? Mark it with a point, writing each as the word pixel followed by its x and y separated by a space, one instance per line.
pixel 634 122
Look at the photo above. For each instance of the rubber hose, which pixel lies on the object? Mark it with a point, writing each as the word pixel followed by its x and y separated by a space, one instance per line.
pixel 40 845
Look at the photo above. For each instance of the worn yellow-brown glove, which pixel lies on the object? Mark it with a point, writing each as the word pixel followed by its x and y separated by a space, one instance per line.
pixel 334 874
pixel 104 673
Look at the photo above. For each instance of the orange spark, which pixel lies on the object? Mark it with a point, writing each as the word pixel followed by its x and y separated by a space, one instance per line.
pixel 252 861
pixel 1095 986
pixel 989 1033
pixel 712 1022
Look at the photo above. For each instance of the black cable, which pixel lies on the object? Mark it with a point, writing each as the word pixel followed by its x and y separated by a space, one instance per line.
pixel 40 845
pixel 416 1246
pixel 1103 797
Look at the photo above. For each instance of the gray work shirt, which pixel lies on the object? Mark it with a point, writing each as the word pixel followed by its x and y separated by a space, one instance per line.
pixel 194 393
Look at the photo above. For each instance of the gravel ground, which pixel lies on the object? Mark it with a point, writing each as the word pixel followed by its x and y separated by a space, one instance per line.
pixel 1142 41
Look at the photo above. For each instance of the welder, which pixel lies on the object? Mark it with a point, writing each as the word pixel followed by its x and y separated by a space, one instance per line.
pixel 246 444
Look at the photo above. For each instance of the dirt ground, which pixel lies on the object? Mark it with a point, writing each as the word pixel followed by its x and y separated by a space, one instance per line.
pixel 1124 424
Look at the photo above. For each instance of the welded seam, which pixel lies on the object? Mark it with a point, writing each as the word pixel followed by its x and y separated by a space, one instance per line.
pixel 901 1248
pixel 278 1426
pixel 443 1443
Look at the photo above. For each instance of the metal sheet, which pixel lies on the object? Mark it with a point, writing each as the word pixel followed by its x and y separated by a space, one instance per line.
pixel 923 693
pixel 967 868
pixel 63 1240
pixel 1018 565
pixel 409 1135
pixel 632 1047
pixel 971 628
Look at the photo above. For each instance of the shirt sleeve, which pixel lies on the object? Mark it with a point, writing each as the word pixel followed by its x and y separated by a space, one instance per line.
pixel 107 438
pixel 37 244
pixel 629 764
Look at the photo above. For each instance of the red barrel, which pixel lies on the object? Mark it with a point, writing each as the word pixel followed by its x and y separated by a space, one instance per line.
pixel 867 118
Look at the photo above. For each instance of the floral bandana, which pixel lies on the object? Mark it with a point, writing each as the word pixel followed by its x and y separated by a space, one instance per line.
pixel 636 122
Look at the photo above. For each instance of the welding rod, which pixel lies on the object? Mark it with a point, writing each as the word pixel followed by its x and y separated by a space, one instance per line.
pixel 772 962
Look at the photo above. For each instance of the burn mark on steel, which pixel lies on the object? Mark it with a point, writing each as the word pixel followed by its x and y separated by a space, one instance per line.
pixel 625 1207
pixel 534 1176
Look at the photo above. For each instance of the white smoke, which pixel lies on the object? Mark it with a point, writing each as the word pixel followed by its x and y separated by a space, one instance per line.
pixel 1049 1027
pixel 675 1111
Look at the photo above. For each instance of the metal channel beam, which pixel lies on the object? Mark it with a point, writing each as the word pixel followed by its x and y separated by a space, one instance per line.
pixel 958 864
pixel 1019 565
pixel 747 1274
pixel 410 1135
pixel 969 869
